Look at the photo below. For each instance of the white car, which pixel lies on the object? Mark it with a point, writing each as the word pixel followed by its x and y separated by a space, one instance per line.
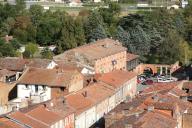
pixel 169 79
pixel 173 7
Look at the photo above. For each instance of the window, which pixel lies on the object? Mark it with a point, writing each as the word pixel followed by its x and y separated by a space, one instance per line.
pixel 36 88
pixel 62 89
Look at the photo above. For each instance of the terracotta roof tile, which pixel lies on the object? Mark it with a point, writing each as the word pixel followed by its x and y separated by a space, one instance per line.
pixel 27 120
pixel 116 78
pixel 49 77
pixel 44 115
pixel 13 64
pixel 96 50
pixel 158 87
pixel 6 123
pixel 79 102
pixel 5 72
pixel 39 63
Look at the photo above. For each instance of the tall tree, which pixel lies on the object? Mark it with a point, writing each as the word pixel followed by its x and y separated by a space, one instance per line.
pixel 94 24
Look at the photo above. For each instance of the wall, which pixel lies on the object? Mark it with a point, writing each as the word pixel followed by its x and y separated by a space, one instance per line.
pixel 58 124
pixel 4 94
pixel 69 121
pixel 105 65
pixel 76 83
pixel 86 119
pixel 111 104
pixel 80 121
pixel 24 91
pixel 101 108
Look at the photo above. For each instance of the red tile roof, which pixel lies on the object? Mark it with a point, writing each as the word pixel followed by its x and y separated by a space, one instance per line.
pixel 28 120
pixel 12 63
pixel 44 115
pixel 97 92
pixel 39 63
pixel 79 102
pixel 88 97
pixel 5 72
pixel 151 119
pixel 49 77
pixel 157 87
pixel 116 78
pixel 95 50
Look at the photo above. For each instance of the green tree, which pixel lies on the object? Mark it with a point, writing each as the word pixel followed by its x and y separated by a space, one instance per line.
pixel 6 49
pixel 93 24
pixel 30 50
pixel 15 43
pixel 125 38
pixel 46 53
pixel 168 51
pixel 79 31
pixel 67 34
pixel 36 12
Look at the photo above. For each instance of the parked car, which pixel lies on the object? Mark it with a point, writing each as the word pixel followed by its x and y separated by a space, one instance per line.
pixel 165 79
pixel 147 82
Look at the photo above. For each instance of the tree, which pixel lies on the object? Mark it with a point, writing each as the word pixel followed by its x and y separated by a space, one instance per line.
pixel 46 53
pixel 36 12
pixel 16 45
pixel 94 24
pixel 6 49
pixel 168 51
pixel 125 38
pixel 184 52
pixel 79 31
pixel 23 29
pixel 67 34
pixel 30 50
pixel 20 6
pixel 48 30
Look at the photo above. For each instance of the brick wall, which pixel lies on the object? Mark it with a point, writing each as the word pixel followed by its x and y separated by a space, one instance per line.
pixel 105 65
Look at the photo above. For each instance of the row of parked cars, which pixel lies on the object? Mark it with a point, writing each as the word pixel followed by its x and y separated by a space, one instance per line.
pixel 150 79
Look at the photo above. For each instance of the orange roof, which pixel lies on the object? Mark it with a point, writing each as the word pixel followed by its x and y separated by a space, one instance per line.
pixel 131 56
pixel 6 123
pixel 79 102
pixel 44 115
pixel 5 72
pixel 49 77
pixel 60 107
pixel 12 63
pixel 151 119
pixel 88 96
pixel 97 91
pixel 157 87
pixel 28 120
pixel 116 78
pixel 39 63
pixel 95 50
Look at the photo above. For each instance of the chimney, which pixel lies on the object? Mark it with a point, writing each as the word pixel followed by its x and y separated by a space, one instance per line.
pixel 14 108
pixel 84 94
